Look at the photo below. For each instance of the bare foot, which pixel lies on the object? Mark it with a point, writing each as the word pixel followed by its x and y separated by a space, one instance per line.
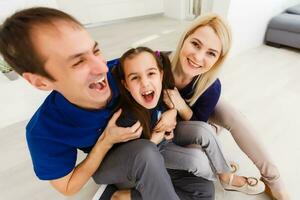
pixel 276 194
pixel 121 195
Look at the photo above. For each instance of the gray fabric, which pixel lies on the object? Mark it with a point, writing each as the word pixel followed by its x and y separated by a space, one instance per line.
pixel 203 163
pixel 137 162
pixel 294 10
pixel 287 22
pixel 190 159
pixel 190 187
pixel 289 39
pixel 284 29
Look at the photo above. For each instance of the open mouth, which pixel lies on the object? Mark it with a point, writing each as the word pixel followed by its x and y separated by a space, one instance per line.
pixel 193 64
pixel 148 95
pixel 99 84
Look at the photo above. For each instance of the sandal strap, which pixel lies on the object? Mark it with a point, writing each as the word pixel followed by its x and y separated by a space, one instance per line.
pixel 250 181
pixel 234 167
pixel 231 179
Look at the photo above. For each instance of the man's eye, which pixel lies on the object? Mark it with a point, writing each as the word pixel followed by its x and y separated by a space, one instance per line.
pixel 78 63
pixel 97 52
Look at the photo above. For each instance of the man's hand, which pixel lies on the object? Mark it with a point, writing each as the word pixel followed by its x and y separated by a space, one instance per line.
pixel 114 134
pixel 167 121
pixel 77 178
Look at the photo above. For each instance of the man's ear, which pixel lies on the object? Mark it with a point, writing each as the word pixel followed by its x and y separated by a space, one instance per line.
pixel 125 85
pixel 38 81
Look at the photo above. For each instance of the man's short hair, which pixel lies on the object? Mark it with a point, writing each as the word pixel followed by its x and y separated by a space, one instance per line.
pixel 16 41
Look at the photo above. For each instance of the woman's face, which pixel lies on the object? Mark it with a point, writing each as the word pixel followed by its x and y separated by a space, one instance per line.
pixel 200 51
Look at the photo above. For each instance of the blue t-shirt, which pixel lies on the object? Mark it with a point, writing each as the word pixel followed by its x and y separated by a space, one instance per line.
pixel 206 103
pixel 59 128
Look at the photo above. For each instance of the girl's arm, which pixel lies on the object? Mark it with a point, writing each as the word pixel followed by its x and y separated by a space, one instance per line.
pixel 167 121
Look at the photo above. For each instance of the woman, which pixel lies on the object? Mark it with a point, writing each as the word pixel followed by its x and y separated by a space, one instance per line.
pixel 195 65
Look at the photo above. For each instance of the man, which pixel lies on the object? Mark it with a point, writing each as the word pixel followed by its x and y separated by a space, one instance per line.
pixel 53 52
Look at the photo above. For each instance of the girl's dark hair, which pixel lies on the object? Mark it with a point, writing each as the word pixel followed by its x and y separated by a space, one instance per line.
pixel 127 102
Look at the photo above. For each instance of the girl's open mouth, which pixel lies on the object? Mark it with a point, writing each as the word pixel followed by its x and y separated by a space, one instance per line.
pixel 148 96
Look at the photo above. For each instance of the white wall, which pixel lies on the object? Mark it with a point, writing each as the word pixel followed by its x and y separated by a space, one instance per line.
pixel 220 7
pixel 97 12
pixel 176 9
pixel 249 20
pixel 8 7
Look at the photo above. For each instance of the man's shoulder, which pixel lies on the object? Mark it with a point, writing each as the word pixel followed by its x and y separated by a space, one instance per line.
pixel 46 114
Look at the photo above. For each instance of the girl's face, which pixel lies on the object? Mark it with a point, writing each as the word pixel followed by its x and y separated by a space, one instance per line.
pixel 200 51
pixel 143 79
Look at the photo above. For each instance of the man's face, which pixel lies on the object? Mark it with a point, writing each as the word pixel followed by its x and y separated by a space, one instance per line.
pixel 74 60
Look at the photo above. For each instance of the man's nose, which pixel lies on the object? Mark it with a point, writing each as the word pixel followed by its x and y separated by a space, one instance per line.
pixel 98 65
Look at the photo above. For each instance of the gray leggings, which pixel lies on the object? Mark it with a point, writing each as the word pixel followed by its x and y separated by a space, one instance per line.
pixel 203 162
pixel 138 164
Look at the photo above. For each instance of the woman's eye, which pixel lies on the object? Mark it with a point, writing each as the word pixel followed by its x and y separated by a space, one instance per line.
pixel 151 73
pixel 195 44
pixel 211 54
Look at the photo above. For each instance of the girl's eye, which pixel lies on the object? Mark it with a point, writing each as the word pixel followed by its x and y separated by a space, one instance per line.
pixel 133 78
pixel 151 73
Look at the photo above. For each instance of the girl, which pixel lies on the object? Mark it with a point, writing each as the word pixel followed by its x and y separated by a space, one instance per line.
pixel 195 65
pixel 141 77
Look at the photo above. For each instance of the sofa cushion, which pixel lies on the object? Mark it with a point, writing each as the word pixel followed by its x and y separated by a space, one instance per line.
pixel 294 10
pixel 287 22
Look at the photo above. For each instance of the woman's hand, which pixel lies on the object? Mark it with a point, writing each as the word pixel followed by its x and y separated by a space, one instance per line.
pixel 167 121
pixel 173 99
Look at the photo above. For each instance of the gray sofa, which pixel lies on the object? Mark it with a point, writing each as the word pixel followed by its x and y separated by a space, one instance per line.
pixel 284 29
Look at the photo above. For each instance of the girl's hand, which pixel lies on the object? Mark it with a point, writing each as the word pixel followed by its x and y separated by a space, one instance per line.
pixel 173 99
pixel 167 121
pixel 169 135
pixel 157 137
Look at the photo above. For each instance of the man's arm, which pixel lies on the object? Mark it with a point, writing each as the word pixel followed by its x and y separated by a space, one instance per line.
pixel 78 177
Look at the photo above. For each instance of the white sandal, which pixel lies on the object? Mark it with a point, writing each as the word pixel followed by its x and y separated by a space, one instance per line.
pixel 234 167
pixel 252 186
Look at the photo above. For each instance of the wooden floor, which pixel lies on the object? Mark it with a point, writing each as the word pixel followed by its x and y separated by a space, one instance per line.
pixel 263 83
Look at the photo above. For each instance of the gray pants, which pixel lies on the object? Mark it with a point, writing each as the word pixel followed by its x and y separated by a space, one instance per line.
pixel 139 164
pixel 203 163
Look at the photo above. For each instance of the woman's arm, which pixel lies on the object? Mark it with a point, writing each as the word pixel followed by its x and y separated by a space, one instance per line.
pixel 173 99
pixel 206 103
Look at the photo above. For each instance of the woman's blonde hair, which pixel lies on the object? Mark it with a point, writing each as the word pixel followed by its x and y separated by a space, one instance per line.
pixel 222 29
